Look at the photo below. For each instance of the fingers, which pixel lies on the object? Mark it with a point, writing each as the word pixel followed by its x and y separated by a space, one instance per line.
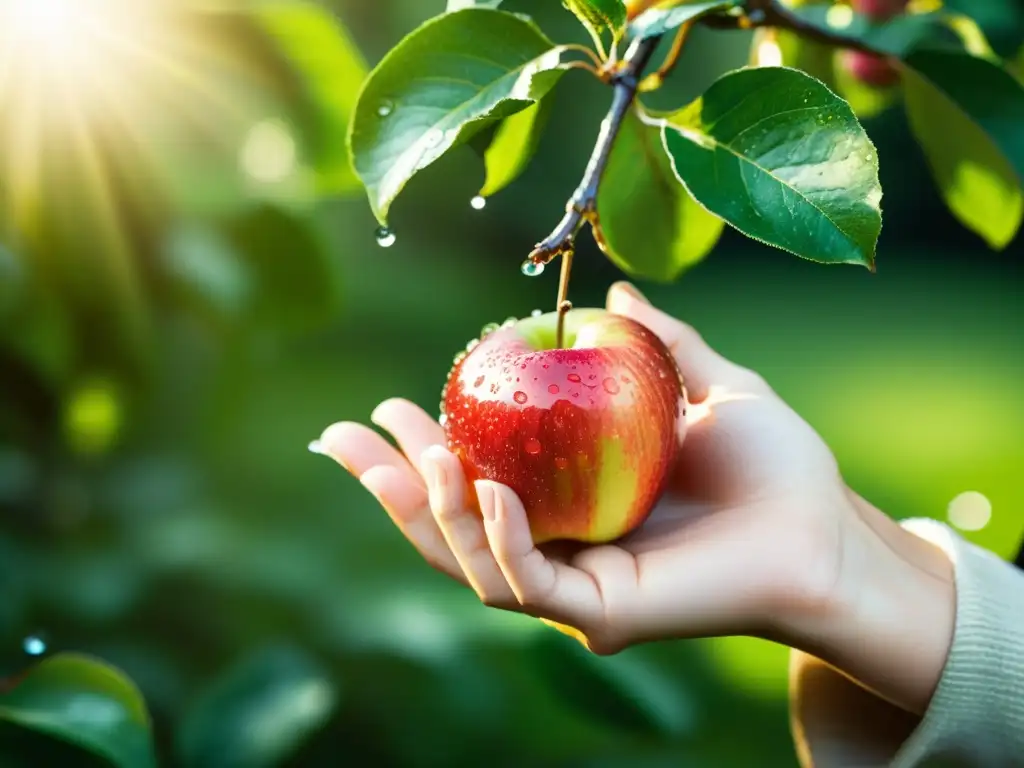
pixel 410 425
pixel 700 365
pixel 395 484
pixel 463 529
pixel 547 587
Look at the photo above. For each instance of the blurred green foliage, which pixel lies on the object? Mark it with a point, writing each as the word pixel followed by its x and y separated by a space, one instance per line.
pixel 192 291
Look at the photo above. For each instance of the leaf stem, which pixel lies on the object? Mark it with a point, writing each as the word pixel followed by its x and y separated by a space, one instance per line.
pixel 598 62
pixel 656 79
pixel 582 206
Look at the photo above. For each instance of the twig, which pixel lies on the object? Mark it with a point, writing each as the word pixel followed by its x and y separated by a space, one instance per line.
pixel 564 305
pixel 584 200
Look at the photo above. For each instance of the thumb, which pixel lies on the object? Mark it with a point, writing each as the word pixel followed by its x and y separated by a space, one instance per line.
pixel 700 365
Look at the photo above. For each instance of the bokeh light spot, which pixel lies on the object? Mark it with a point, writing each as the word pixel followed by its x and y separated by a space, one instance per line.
pixel 269 153
pixel 970 511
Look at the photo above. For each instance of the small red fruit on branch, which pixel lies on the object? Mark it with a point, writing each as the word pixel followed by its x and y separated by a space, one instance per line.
pixel 584 434
pixel 875 71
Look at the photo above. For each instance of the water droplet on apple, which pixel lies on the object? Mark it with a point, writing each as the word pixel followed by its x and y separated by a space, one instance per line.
pixel 459 358
pixel 611 386
pixel 592 376
pixel 478 203
pixel 561 462
pixel 472 345
pixel 479 381
pixel 443 421
pixel 553 389
pixel 574 378
pixel 509 322
pixel 536 313
pixel 575 394
pixel 532 446
pixel 488 329
pixel 532 268
pixel 385 237
pixel 520 397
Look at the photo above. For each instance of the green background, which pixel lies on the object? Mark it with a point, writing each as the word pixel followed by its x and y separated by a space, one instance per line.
pixel 159 510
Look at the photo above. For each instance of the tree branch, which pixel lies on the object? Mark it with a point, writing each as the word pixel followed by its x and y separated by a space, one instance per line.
pixel 582 206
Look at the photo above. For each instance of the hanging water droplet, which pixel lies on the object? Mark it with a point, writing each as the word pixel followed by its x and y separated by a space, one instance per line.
pixel 532 268
pixel 478 203
pixel 532 446
pixel 520 397
pixel 385 108
pixel 385 237
pixel 34 645
pixel 536 313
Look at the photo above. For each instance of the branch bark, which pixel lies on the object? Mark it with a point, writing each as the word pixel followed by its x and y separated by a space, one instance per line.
pixel 582 205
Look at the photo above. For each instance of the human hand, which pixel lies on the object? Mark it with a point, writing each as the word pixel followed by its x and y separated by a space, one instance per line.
pixel 757 534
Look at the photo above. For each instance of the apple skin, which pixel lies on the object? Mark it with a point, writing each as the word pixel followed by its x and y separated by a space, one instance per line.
pixel 875 71
pixel 585 435
pixel 879 10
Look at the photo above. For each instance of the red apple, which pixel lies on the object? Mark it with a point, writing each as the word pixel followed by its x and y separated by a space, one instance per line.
pixel 879 10
pixel 584 434
pixel 875 71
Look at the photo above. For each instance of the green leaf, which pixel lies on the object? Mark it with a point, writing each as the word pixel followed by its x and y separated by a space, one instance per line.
pixel 651 226
pixel 658 21
pixel 259 712
pixel 625 692
pixel 85 702
pixel 514 145
pixel 451 77
pixel 599 16
pixel 896 37
pixel 329 70
pixel 967 113
pixel 784 160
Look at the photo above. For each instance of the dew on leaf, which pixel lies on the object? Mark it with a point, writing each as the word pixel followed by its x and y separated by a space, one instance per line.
pixel 385 108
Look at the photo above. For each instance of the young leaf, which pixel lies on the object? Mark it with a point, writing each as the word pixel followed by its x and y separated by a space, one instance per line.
pixel 331 68
pixel 84 702
pixel 658 21
pixel 651 226
pixel 784 160
pixel 967 113
pixel 514 145
pixel 451 77
pixel 600 16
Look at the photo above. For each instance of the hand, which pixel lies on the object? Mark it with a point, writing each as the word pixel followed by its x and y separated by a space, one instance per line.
pixel 757 533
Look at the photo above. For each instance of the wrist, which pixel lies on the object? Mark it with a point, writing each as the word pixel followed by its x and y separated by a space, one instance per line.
pixel 888 622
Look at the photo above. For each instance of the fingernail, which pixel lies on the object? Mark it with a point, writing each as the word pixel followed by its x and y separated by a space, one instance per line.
pixel 488 500
pixel 432 469
pixel 631 290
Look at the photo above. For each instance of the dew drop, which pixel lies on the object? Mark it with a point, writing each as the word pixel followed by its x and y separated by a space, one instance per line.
pixel 385 108
pixel 488 329
pixel 385 237
pixel 575 394
pixel 478 203
pixel 479 381
pixel 532 446
pixel 532 268
pixel 520 397
pixel 536 313
pixel 611 386
pixel 459 358
pixel 553 389
pixel 472 345
pixel 574 378
pixel 443 421
pixel 561 462
pixel 509 322
pixel 34 645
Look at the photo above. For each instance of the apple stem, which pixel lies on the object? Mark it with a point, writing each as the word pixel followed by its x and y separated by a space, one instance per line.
pixel 564 305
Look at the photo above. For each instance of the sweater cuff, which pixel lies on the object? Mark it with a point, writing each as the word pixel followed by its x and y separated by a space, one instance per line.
pixel 976 715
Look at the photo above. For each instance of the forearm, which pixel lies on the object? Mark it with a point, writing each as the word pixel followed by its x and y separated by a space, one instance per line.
pixel 889 625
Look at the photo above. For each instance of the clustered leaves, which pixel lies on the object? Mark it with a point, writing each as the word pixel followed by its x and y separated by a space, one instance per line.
pixel 777 152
